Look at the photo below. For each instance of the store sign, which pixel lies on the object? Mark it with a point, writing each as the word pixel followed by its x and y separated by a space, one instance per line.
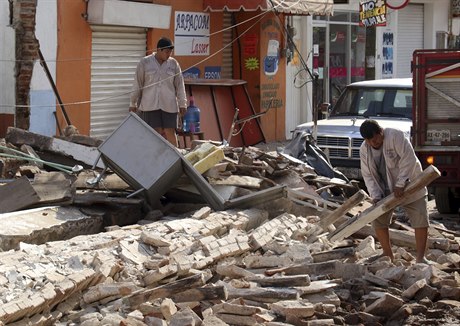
pixel 191 33
pixel 212 72
pixel 372 13
pixel 191 73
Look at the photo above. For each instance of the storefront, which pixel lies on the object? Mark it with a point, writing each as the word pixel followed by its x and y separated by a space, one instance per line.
pixel 261 52
pixel 345 52
pixel 92 56
pixel 339 54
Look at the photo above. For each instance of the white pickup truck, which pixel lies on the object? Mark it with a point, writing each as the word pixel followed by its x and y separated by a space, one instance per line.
pixel 389 101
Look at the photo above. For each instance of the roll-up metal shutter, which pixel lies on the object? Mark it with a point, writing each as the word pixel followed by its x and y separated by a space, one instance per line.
pixel 116 51
pixel 227 53
pixel 410 37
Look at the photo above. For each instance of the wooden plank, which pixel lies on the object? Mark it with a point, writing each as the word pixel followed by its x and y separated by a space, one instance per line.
pixel 164 291
pixel 282 281
pixel 300 196
pixel 354 224
pixel 339 253
pixel 317 287
pixel 239 181
pixel 208 293
pixel 266 295
pixel 17 195
pixel 109 181
pixel 336 214
pixel 317 269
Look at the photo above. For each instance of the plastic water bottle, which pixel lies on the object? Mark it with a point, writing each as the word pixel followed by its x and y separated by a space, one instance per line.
pixel 192 118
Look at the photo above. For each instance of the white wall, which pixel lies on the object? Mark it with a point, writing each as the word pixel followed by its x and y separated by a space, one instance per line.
pixel 436 19
pixel 42 99
pixel 298 98
pixel 7 61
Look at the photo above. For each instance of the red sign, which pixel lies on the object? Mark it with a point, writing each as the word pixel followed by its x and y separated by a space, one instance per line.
pixel 250 45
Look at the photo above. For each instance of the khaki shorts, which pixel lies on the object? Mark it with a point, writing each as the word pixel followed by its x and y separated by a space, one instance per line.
pixel 417 212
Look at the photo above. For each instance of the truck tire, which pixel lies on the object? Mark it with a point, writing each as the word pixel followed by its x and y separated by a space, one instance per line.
pixel 445 201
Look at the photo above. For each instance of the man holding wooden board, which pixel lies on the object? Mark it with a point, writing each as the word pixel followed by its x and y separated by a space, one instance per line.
pixel 388 164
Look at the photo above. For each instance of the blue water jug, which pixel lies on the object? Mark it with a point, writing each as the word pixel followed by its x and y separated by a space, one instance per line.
pixel 192 118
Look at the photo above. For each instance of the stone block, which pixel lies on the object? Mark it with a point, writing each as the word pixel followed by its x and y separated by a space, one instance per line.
pixel 297 308
pixel 410 292
pixel 427 291
pixel 385 306
pixel 448 292
pixel 392 273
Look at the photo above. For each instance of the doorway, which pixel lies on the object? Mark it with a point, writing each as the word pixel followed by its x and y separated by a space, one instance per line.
pixel 339 55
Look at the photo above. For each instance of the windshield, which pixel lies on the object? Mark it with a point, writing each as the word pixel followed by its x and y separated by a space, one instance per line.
pixel 368 102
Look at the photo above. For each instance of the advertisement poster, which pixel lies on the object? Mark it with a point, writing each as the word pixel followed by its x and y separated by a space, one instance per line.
pixel 387 55
pixel 372 13
pixel 191 33
pixel 250 45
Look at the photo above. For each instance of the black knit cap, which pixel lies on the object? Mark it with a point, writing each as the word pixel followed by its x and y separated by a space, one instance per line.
pixel 165 43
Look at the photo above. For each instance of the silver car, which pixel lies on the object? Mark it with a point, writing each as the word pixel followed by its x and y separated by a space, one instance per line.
pixel 389 101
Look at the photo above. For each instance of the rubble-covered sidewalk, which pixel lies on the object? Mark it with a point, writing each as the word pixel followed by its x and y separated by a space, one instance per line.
pixel 80 253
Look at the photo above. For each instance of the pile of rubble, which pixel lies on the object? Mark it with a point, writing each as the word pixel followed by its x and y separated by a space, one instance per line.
pixel 280 262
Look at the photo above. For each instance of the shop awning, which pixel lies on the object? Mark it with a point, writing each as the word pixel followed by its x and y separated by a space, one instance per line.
pixel 292 7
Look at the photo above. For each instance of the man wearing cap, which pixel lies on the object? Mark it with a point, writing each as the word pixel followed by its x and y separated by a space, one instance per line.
pixel 158 94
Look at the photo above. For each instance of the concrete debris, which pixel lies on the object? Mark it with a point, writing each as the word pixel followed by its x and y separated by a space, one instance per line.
pixel 97 257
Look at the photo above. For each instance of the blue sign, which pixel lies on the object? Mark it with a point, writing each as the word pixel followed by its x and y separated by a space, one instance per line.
pixel 212 72
pixel 192 73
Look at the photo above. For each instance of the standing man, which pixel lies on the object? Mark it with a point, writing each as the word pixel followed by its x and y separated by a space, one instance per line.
pixel 159 92
pixel 388 164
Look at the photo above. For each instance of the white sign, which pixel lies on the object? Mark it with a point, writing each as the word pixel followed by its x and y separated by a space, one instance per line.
pixel 191 33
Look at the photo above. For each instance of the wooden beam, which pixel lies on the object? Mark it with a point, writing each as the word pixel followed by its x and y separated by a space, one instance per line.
pixel 388 203
pixel 336 214
pixel 266 295
pixel 305 268
pixel 334 254
pixel 208 293
pixel 301 198
pixel 282 281
pixel 164 291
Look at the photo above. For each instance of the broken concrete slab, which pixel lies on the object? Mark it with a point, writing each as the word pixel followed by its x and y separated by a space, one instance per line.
pixel 84 154
pixel 40 225
pixel 16 195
